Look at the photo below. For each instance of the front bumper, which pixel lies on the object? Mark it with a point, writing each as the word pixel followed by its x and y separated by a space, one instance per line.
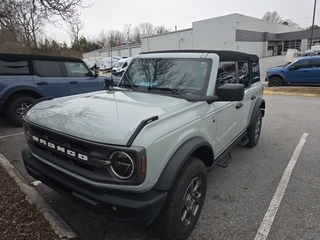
pixel 134 208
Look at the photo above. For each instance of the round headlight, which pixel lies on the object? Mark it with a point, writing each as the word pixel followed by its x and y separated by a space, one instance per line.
pixel 121 165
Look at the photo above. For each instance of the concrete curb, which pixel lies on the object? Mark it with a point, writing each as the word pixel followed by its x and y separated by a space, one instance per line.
pixel 60 227
pixel 290 94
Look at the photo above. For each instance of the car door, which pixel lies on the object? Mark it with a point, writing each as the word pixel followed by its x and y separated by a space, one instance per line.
pixel 49 80
pixel 314 71
pixel 80 79
pixel 298 72
pixel 228 114
pixel 228 117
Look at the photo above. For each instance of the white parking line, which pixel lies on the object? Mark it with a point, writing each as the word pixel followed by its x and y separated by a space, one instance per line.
pixel 11 135
pixel 267 221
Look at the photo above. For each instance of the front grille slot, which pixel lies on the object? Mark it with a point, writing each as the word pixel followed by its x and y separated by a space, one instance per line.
pixel 57 138
pixel 36 131
pixel 80 147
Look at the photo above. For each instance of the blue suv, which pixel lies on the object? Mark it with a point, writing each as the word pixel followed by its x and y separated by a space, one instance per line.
pixel 25 78
pixel 303 71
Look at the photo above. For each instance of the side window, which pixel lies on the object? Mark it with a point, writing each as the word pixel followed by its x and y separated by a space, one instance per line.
pixel 125 64
pixel 47 68
pixel 244 73
pixel 8 67
pixel 255 72
pixel 226 73
pixel 301 64
pixel 315 63
pixel 76 69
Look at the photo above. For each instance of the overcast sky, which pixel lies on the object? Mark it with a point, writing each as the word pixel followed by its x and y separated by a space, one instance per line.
pixel 113 15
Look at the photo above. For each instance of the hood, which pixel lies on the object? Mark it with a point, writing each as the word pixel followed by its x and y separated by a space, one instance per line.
pixel 105 117
pixel 275 68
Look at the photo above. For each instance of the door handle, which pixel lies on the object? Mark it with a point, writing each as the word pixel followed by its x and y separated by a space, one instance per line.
pixel 239 105
pixel 42 83
pixel 253 97
pixel 74 82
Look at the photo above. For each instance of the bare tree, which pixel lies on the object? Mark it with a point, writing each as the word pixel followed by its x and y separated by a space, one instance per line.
pixel 115 38
pixel 276 18
pixel 146 28
pixel 102 38
pixel 127 31
pixel 313 27
pixel 136 36
pixel 8 19
pixel 74 27
pixel 290 23
pixel 25 18
pixel 160 29
pixel 272 17
pixel 30 22
pixel 66 9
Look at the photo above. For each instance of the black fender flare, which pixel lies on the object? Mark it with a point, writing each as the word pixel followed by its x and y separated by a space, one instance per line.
pixel 281 76
pixel 177 161
pixel 259 106
pixel 21 88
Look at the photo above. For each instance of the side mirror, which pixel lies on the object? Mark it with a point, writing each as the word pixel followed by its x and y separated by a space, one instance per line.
pixel 292 68
pixel 108 82
pixel 231 92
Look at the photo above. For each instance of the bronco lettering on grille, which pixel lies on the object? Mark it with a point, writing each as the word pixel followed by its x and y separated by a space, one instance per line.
pixel 60 148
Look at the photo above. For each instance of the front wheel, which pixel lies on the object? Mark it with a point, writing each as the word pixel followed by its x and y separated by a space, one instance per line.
pixel 181 211
pixel 253 133
pixel 275 81
pixel 17 107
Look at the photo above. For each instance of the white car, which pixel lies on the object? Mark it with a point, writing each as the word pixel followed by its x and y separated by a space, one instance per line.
pixel 121 66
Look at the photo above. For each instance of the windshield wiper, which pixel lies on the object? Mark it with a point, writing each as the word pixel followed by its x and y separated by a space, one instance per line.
pixel 165 90
pixel 130 85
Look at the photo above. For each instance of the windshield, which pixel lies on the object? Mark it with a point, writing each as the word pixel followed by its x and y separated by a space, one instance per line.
pixel 170 75
pixel 118 64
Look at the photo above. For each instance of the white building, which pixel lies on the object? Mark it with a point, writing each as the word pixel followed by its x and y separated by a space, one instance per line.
pixel 231 32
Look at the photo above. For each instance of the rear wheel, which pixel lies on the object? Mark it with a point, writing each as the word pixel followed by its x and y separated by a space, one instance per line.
pixel 275 81
pixel 17 107
pixel 181 211
pixel 253 133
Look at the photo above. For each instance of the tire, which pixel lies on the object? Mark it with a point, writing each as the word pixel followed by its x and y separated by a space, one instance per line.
pixel 275 81
pixel 17 107
pixel 253 133
pixel 182 208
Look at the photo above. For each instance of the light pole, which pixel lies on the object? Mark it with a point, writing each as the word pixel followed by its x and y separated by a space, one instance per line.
pixel 111 55
pixel 314 13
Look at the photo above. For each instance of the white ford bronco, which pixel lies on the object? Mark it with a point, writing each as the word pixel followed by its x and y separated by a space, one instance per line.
pixel 140 152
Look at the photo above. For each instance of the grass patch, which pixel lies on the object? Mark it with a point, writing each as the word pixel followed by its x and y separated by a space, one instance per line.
pixel 294 89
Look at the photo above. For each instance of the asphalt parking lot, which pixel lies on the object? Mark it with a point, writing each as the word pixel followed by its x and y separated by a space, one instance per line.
pixel 268 192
